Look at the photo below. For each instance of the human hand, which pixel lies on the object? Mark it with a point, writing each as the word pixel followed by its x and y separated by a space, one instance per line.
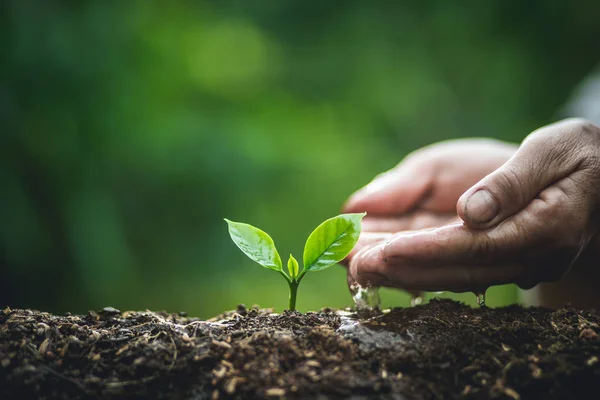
pixel 422 191
pixel 525 223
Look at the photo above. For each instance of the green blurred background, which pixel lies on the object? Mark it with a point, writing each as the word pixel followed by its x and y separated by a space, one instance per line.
pixel 131 128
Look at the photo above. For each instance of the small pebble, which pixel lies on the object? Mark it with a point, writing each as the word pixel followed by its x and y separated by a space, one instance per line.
pixel 185 337
pixel 275 392
pixel 219 373
pixel 588 334
pixel 43 347
pixel 110 311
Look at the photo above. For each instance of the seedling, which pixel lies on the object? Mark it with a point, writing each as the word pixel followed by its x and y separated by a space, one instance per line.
pixel 328 244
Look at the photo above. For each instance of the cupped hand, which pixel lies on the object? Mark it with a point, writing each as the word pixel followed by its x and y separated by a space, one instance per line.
pixel 526 222
pixel 422 191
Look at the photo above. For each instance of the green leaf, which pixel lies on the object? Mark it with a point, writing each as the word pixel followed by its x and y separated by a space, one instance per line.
pixel 256 244
pixel 293 266
pixel 332 241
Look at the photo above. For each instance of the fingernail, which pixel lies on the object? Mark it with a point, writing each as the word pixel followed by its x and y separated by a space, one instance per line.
pixel 361 266
pixel 481 207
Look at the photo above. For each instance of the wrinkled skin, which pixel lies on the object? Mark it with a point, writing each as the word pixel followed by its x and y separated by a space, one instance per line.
pixel 468 214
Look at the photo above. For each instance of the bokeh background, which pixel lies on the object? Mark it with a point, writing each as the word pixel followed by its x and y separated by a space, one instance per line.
pixel 129 129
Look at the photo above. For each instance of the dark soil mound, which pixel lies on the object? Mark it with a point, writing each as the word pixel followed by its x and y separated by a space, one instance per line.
pixel 439 350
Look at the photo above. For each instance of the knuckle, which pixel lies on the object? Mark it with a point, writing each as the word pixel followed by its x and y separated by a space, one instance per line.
pixel 586 141
pixel 572 130
pixel 582 127
pixel 568 142
pixel 581 138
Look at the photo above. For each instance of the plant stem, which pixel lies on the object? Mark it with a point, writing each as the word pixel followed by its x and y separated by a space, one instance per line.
pixel 293 291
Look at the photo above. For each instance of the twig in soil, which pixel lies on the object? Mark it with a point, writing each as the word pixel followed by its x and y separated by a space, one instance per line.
pixel 174 354
pixel 537 323
pixel 558 332
pixel 498 362
pixel 196 324
pixel 437 319
pixel 140 325
pixel 117 385
pixel 583 322
pixel 114 340
pixel 156 336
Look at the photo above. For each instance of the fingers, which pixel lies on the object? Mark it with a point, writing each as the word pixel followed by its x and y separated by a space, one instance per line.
pixel 452 244
pixel 366 239
pixel 432 177
pixel 370 267
pixel 378 229
pixel 393 192
pixel 537 244
pixel 415 220
pixel 545 157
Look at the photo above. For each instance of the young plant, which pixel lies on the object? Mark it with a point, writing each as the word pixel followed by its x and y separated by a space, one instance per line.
pixel 328 244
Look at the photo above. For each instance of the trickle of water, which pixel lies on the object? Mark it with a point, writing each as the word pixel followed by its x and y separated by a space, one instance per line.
pixel 480 298
pixel 365 298
pixel 416 298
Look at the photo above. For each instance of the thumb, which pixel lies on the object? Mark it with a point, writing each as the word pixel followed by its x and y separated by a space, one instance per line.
pixel 541 160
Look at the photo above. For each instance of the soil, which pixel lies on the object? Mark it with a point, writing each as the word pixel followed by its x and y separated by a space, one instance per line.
pixel 436 351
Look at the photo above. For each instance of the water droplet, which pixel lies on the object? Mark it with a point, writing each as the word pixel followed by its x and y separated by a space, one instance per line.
pixel 416 298
pixel 365 298
pixel 480 298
